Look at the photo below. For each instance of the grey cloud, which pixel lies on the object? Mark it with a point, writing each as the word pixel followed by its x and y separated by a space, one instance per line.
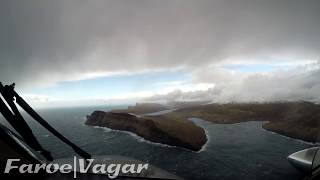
pixel 43 42
pixel 298 84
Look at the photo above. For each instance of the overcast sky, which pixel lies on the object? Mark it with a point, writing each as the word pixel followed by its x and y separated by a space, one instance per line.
pixel 99 51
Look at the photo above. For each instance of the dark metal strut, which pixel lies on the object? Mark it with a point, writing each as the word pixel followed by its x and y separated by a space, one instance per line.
pixel 16 120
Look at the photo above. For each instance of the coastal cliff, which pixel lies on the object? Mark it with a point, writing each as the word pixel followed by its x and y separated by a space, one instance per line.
pixel 160 129
pixel 299 120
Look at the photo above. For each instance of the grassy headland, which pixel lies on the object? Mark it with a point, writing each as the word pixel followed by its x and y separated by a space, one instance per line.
pixel 300 120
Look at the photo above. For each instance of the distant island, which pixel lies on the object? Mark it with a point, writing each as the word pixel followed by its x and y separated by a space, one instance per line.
pixel 299 120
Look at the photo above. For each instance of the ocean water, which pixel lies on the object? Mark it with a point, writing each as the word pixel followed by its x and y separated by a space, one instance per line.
pixel 234 151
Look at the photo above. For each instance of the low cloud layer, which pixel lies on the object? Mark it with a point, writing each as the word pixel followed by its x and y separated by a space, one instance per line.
pixel 46 42
pixel 301 83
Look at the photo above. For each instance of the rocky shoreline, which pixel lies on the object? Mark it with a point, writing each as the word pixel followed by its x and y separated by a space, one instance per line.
pixel 298 120
pixel 191 137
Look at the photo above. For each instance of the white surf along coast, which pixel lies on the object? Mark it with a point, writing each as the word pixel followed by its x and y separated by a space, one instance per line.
pixel 197 121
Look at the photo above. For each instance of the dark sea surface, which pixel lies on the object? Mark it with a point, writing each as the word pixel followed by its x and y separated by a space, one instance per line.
pixel 234 151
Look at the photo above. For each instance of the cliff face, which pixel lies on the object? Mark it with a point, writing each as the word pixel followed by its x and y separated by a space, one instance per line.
pixel 181 134
pixel 300 120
